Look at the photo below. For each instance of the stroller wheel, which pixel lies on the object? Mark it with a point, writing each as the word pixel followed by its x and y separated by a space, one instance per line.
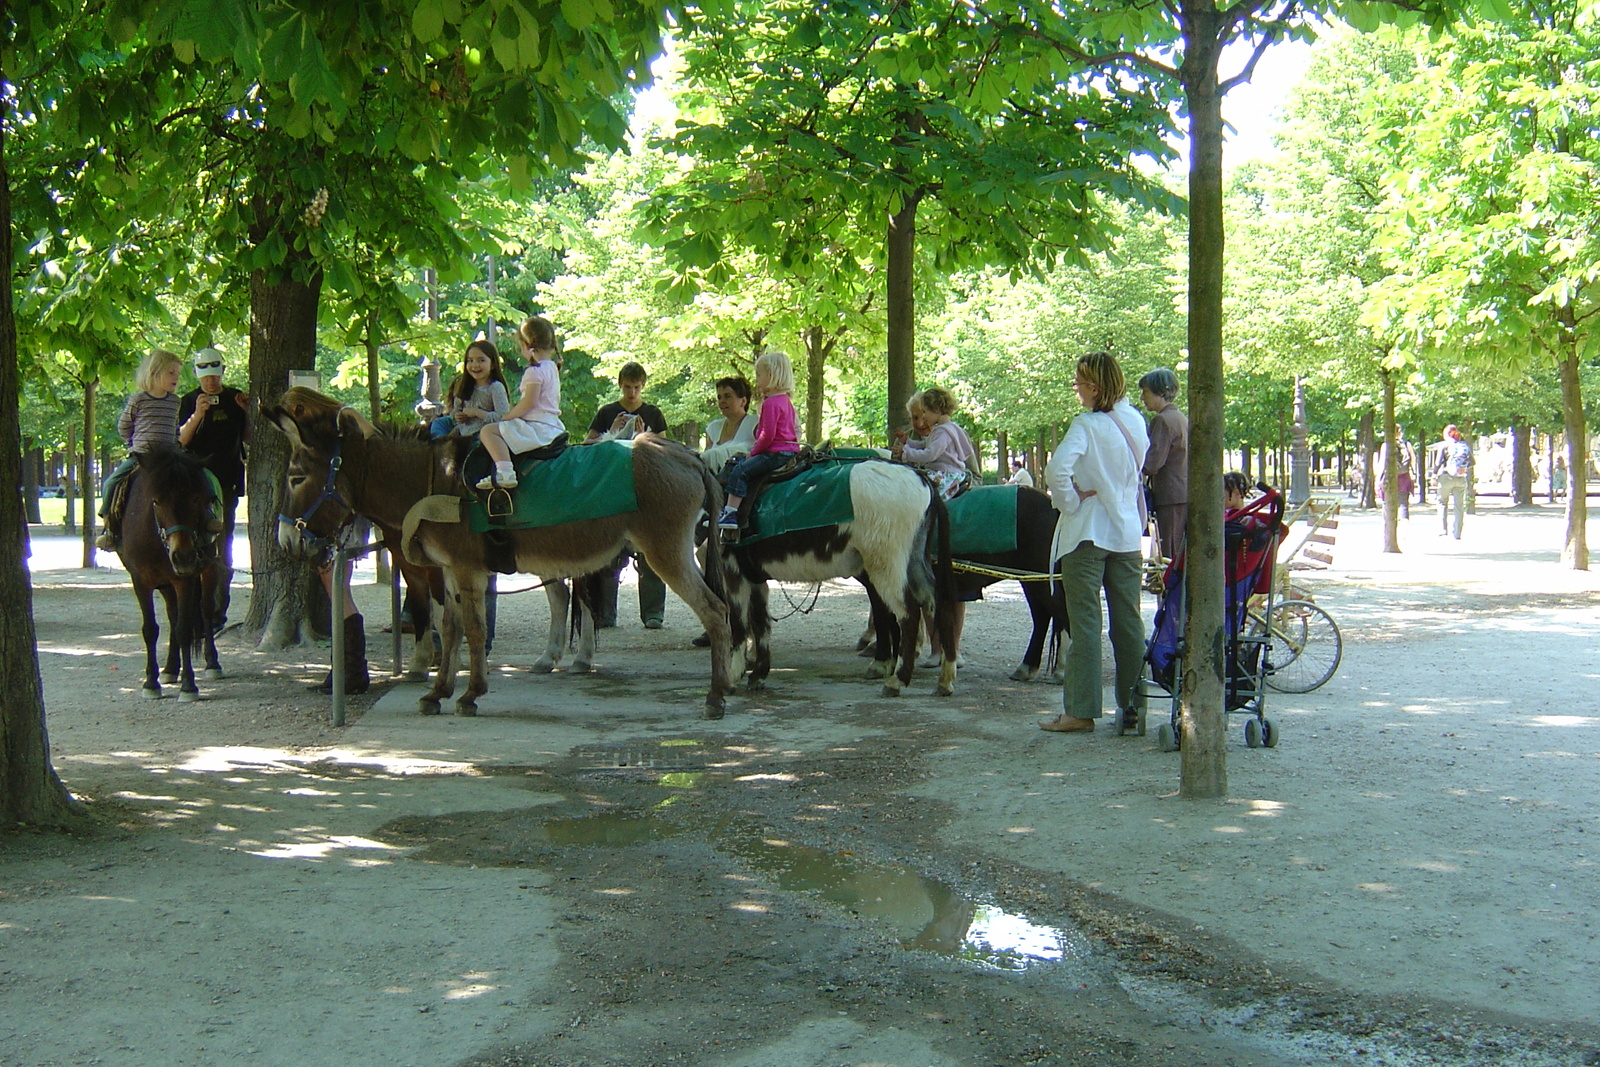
pixel 1269 734
pixel 1166 737
pixel 1252 732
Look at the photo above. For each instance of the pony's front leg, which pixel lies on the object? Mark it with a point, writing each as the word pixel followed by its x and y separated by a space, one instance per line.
pixel 885 628
pixel 583 655
pixel 151 631
pixel 469 593
pixel 760 624
pixel 560 601
pixel 444 679
pixel 187 596
pixel 169 673
pixel 210 612
pixel 910 631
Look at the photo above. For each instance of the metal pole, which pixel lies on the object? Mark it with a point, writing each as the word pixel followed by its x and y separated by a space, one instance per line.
pixel 340 589
pixel 1299 453
pixel 394 609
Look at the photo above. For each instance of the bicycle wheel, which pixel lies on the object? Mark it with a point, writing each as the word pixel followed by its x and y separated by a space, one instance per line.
pixel 1305 648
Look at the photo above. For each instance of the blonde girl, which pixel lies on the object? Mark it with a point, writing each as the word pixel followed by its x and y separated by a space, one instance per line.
pixel 940 447
pixel 777 435
pixel 149 423
pixel 535 420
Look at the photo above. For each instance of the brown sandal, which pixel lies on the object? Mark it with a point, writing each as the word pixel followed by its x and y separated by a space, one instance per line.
pixel 1063 725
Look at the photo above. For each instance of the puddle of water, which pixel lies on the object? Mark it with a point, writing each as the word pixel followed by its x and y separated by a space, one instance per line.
pixel 926 915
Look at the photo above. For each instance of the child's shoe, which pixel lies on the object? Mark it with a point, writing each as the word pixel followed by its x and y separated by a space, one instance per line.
pixel 729 520
pixel 499 480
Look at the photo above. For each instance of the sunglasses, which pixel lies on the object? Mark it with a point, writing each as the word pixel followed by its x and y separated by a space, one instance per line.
pixel 204 367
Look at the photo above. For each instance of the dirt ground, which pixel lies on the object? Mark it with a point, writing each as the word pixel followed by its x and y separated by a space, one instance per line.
pixel 589 873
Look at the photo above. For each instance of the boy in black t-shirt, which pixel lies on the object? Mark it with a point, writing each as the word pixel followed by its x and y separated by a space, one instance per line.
pixel 623 418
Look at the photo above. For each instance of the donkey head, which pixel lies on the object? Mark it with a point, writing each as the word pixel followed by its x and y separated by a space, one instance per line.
pixel 314 506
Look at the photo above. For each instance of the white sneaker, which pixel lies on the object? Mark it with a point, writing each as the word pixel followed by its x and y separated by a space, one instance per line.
pixel 729 520
pixel 499 480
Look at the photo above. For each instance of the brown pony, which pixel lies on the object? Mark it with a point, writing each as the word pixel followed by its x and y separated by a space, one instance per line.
pixel 341 464
pixel 167 545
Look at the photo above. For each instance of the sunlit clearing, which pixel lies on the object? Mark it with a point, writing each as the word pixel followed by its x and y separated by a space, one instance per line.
pixel 57 650
pixel 223 828
pixel 1266 808
pixel 737 878
pixel 1375 887
pixel 617 891
pixel 400 989
pixel 1055 774
pixel 775 842
pixel 1228 829
pixel 1561 720
pixel 103 900
pixel 307 791
pixel 767 778
pixel 126 795
pixel 824 807
pixel 674 744
pixel 325 848
pixel 1020 830
pixel 750 905
pixel 1437 865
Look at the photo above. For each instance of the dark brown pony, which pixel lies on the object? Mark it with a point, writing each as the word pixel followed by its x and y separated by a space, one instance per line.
pixel 167 545
pixel 341 464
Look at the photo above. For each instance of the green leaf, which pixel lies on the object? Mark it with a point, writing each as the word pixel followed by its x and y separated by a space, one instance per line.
pixel 578 13
pixel 427 21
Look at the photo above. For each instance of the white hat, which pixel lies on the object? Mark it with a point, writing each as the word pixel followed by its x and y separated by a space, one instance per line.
pixel 208 361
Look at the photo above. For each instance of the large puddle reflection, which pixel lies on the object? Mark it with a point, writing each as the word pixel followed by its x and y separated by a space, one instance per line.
pixel 926 915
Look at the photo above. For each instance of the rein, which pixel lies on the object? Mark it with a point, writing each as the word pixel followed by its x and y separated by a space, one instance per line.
pixel 802 608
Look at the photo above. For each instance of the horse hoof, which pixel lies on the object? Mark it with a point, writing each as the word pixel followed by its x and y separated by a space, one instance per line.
pixel 754 686
pixel 213 674
pixel 188 697
pixel 712 711
pixel 466 710
pixel 891 690
pixel 151 693
pixel 581 666
pixel 944 691
pixel 414 676
pixel 169 679
pixel 1023 673
pixel 544 665
pixel 427 707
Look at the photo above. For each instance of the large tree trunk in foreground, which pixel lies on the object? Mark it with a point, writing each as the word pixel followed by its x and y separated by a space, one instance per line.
pixel 1205 765
pixel 283 334
pixel 30 791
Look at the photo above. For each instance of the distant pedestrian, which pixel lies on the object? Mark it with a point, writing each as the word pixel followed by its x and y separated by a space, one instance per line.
pixel 1454 472
pixel 1166 465
pixel 1019 474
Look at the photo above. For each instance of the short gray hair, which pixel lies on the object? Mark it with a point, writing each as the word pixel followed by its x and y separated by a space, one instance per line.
pixel 1161 381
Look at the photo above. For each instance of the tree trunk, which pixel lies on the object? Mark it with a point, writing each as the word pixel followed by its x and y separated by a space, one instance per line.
pixel 72 490
pixel 901 313
pixel 1003 453
pixel 1521 465
pixel 1364 445
pixel 1205 768
pixel 375 409
pixel 1391 466
pixel 283 333
pixel 91 390
pixel 30 791
pixel 818 348
pixel 1575 550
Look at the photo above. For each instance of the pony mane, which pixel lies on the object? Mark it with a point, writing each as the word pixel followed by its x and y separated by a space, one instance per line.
pixel 175 469
pixel 302 403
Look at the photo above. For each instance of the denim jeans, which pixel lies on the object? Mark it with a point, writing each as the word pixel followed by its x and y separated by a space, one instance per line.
pixel 752 467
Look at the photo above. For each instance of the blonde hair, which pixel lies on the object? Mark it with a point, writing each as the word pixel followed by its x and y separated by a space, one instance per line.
pixel 936 399
pixel 780 375
pixel 537 333
pixel 1100 369
pixel 154 366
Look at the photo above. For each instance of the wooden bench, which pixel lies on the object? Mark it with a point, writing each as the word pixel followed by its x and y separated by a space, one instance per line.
pixel 1311 549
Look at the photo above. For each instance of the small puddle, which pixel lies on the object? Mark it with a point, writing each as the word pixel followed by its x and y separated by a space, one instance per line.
pixel 926 915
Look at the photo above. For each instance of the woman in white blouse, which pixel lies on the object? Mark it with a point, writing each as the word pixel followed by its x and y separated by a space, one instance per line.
pixel 1094 483
pixel 735 431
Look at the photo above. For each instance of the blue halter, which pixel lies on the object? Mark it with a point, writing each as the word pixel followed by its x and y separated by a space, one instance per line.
pixel 329 492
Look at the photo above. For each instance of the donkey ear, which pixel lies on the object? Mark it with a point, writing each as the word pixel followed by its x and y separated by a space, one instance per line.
pixel 350 418
pixel 285 422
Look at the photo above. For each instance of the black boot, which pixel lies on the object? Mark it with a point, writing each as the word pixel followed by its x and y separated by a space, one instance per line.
pixel 356 678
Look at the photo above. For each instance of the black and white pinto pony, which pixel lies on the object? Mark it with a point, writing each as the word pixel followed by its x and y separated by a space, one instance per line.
pixel 1036 528
pixel 899 527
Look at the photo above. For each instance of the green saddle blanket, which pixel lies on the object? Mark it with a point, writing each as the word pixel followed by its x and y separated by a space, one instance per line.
pixel 983 521
pixel 817 496
pixel 584 482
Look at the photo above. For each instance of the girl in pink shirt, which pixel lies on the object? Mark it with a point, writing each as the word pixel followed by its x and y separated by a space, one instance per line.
pixel 777 439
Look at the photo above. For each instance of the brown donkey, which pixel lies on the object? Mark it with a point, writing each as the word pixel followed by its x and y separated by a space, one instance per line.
pixel 341 464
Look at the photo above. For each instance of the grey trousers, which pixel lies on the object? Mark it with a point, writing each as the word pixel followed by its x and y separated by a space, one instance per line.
pixel 1452 487
pixel 1086 572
